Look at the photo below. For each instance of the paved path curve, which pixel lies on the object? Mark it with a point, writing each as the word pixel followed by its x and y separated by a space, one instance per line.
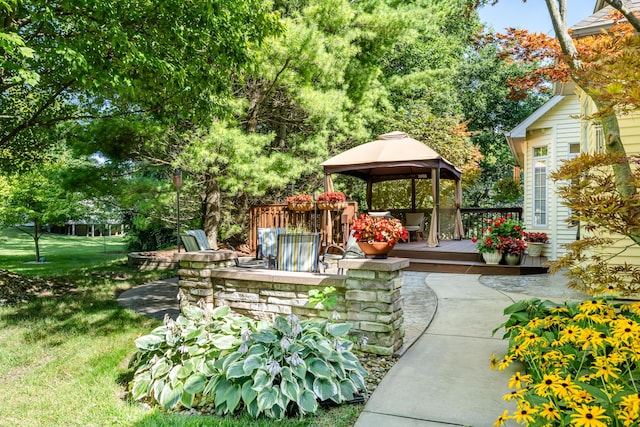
pixel 444 379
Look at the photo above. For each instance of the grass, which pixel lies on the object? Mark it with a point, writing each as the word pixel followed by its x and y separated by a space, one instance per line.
pixel 61 252
pixel 63 359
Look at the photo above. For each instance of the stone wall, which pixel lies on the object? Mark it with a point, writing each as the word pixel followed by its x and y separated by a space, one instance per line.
pixel 369 296
pixel 150 262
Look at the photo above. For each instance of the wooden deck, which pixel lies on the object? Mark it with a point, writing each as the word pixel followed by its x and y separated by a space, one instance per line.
pixel 461 256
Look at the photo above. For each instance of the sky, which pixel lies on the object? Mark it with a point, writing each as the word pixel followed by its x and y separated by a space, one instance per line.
pixel 532 15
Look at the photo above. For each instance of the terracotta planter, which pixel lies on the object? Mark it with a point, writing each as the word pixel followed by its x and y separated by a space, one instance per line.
pixel 512 259
pixel 492 258
pixel 376 250
pixel 301 207
pixel 535 248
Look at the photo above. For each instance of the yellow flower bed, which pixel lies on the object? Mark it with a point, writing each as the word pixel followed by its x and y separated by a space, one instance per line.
pixel 581 360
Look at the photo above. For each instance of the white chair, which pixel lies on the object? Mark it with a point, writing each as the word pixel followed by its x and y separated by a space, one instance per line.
pixel 414 223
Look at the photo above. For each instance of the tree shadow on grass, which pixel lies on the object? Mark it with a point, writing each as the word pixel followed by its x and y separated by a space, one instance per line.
pixel 64 311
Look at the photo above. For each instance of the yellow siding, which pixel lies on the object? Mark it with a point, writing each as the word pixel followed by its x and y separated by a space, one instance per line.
pixel 556 129
pixel 630 135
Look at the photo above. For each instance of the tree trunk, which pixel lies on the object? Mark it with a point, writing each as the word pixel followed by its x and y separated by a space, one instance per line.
pixel 211 209
pixel 610 126
pixel 36 239
pixel 256 97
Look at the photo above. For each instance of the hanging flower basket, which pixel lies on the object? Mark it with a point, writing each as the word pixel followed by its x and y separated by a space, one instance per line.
pixel 300 207
pixel 331 206
pixel 300 202
pixel 332 201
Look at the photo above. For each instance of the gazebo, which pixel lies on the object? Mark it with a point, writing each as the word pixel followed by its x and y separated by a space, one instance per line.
pixel 396 155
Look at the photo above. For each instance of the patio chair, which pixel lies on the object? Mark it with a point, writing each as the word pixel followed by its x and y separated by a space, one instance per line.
pixel 414 223
pixel 298 252
pixel 201 239
pixel 190 243
pixel 336 253
pixel 268 243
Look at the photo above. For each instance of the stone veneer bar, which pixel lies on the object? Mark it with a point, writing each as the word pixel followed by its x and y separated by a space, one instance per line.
pixel 369 296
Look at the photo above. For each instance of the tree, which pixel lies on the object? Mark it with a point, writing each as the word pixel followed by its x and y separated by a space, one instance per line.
pixel 38 197
pixel 482 89
pixel 603 67
pixel 78 61
pixel 600 66
pixel 588 185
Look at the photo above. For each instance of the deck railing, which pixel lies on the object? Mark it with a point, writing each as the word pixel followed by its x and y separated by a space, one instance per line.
pixel 272 216
pixel 474 220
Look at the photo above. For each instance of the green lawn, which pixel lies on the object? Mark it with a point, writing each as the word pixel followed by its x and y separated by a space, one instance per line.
pixel 62 253
pixel 63 359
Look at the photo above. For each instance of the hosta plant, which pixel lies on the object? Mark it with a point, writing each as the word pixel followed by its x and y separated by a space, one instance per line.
pixel 221 363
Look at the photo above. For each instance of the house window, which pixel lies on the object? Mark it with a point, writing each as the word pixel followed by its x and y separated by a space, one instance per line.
pixel 574 151
pixel 599 139
pixel 539 186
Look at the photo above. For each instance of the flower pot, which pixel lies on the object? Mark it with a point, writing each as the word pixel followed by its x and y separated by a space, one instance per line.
pixel 535 248
pixel 512 259
pixel 301 207
pixel 492 258
pixel 376 250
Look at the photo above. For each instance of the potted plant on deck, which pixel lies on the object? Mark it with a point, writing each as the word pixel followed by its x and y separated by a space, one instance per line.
pixel 377 236
pixel 535 242
pixel 489 249
pixel 492 241
pixel 512 249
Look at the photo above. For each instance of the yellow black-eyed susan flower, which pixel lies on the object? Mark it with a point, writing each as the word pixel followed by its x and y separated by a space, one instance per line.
pixel 589 416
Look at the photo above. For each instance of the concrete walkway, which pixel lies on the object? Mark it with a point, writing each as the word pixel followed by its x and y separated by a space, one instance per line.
pixel 153 299
pixel 444 379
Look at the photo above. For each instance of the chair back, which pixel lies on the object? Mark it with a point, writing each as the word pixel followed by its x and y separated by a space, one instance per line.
pixel 201 238
pixel 298 251
pixel 190 243
pixel 414 219
pixel 268 242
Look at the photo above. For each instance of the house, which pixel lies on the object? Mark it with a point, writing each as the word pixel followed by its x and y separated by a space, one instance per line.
pixel 557 131
pixel 540 144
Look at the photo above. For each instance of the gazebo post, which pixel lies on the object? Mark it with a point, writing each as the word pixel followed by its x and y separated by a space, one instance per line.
pixel 438 201
pixel 413 194
pixel 369 194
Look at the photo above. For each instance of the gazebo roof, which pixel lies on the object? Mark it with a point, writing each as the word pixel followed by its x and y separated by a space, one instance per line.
pixel 394 155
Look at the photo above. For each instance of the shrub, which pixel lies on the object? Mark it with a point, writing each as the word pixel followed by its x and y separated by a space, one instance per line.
pixel 581 360
pixel 223 364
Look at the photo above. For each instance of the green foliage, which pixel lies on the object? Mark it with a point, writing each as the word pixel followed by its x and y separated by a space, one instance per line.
pixel 521 312
pixel 227 364
pixel 588 186
pixel 481 84
pixel 38 197
pixel 581 362
pixel 73 61
pixel 323 296
pixel 508 191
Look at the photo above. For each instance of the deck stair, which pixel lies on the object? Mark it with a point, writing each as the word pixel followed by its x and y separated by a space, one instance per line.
pixel 462 257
